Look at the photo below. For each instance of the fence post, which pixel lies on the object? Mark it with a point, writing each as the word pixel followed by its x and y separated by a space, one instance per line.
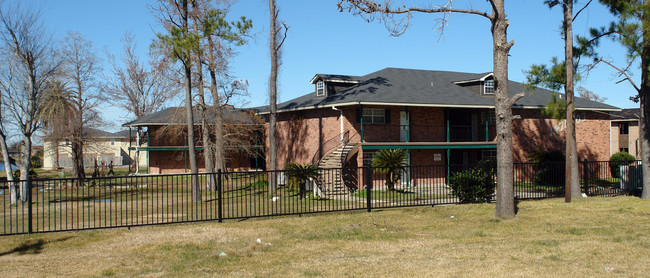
pixel 219 199
pixel 585 176
pixel 368 177
pixel 29 204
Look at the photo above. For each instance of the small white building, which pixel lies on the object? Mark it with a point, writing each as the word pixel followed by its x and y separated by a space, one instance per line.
pixel 101 145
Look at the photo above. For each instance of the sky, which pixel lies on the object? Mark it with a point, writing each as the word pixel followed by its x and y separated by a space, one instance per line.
pixel 323 40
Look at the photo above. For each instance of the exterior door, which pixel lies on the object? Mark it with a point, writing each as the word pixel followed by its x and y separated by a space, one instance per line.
pixel 405 175
pixel 403 126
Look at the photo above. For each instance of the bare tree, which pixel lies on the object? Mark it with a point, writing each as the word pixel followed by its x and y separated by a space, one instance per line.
pixel 81 67
pixel 590 95
pixel 6 81
pixel 384 11
pixel 139 89
pixel 24 36
pixel 277 36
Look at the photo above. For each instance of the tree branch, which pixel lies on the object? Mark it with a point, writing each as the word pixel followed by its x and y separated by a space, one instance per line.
pixel 629 79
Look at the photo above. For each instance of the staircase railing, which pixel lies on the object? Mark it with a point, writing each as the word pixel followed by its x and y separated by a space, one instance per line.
pixel 329 145
pixel 354 139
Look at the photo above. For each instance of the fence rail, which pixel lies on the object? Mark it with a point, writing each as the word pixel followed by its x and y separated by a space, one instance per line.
pixel 109 202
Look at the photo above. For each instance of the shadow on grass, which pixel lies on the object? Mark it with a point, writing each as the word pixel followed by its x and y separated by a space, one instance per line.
pixel 30 247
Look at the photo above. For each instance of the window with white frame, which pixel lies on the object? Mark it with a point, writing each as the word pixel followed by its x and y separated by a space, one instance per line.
pixel 320 88
pixel 488 87
pixel 374 116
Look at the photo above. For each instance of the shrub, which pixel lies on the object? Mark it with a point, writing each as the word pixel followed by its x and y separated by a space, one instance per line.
pixel 391 163
pixel 474 185
pixel 32 173
pixel 550 167
pixel 298 175
pixel 618 159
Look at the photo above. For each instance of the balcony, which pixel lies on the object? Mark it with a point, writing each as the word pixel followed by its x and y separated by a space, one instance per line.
pixel 377 133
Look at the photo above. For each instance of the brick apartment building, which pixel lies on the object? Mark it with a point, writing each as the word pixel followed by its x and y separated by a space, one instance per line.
pixel 625 132
pixel 439 117
pixel 162 140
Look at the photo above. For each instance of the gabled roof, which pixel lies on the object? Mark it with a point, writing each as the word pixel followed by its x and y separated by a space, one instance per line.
pixel 176 115
pixel 409 87
pixel 90 132
pixel 336 78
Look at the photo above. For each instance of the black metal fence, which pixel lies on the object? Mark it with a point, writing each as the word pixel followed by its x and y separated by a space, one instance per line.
pixel 108 202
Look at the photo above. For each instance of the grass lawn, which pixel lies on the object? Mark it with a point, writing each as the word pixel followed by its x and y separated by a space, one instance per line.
pixel 589 237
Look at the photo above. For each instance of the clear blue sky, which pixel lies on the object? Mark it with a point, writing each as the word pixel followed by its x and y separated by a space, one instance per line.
pixel 323 40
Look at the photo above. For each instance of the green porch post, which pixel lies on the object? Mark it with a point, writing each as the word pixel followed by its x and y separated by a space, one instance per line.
pixel 148 162
pixel 487 134
pixel 448 140
pixel 408 125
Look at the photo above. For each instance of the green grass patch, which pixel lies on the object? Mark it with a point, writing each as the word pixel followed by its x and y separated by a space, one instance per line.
pixel 589 237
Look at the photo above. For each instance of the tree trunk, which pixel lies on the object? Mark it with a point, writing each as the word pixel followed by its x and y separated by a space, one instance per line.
pixel 272 164
pixel 218 120
pixel 208 159
pixel 644 96
pixel 55 163
pixel 505 207
pixel 25 154
pixel 572 184
pixel 191 149
pixel 13 194
pixel 78 171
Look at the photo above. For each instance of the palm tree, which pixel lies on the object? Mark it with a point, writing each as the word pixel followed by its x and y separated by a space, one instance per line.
pixel 298 175
pixel 56 115
pixel 391 163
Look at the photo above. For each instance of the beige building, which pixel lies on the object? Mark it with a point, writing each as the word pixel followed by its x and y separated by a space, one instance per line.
pixel 101 145
pixel 625 132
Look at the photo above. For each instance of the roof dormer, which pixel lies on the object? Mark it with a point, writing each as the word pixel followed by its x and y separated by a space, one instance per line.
pixel 483 86
pixel 329 84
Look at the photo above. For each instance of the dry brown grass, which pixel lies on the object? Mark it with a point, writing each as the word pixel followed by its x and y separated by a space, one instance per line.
pixel 589 237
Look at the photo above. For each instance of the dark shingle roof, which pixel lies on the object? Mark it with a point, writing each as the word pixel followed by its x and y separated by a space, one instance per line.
pixel 176 115
pixel 626 114
pixel 395 86
pixel 90 132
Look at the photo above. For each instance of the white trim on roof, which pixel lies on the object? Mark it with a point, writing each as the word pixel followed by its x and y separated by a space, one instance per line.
pixel 474 80
pixel 425 105
pixel 319 76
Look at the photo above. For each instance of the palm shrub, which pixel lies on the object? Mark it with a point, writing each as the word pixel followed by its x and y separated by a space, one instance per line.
pixel 474 185
pixel 389 162
pixel 618 159
pixel 298 174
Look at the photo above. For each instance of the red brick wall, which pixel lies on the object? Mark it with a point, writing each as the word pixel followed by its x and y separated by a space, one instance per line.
pixel 300 133
pixel 535 131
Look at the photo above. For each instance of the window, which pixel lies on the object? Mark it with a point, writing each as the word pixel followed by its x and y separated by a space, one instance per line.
pixel 112 142
pixel 623 128
pixel 320 88
pixel 489 155
pixel 367 158
pixel 627 150
pixel 488 87
pixel 374 116
pixel 490 117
